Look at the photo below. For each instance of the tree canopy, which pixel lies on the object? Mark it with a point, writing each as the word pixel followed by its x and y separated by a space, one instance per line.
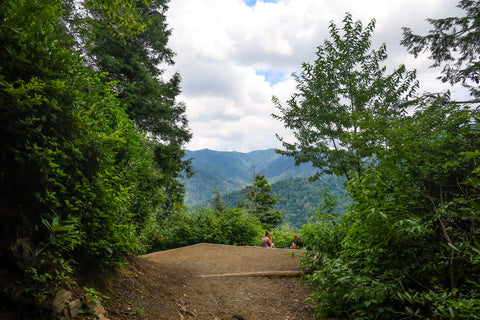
pixel 91 138
pixel 453 43
pixel 408 246
pixel 260 202
pixel 344 102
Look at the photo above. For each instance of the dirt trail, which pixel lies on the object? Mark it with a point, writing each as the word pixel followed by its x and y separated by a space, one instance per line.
pixel 211 282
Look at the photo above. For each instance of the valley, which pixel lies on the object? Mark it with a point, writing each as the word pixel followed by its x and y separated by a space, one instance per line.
pixel 230 172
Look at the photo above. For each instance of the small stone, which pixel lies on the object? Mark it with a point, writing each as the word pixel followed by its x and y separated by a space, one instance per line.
pixel 75 307
pixel 59 302
pixel 104 317
pixel 98 308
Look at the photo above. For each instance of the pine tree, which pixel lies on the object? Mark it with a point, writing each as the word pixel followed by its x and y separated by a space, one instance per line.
pixel 261 201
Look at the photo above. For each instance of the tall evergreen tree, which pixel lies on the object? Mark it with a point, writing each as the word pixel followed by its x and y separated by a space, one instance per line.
pixel 217 202
pixel 261 201
pixel 134 64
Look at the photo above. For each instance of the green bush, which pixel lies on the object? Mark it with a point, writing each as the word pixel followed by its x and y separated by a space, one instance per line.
pixel 74 169
pixel 409 245
pixel 402 250
pixel 283 237
pixel 231 226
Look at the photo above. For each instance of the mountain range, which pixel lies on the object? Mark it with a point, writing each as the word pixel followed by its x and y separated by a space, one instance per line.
pixel 228 171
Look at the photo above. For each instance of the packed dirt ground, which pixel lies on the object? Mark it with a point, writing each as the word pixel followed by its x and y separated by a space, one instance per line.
pixel 211 282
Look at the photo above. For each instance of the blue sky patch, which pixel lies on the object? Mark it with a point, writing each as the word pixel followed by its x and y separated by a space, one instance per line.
pixel 271 77
pixel 251 3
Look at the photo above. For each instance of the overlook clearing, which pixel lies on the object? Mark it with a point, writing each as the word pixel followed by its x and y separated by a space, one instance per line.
pixel 208 281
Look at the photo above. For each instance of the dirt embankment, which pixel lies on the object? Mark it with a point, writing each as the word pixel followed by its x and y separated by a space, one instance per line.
pixel 211 282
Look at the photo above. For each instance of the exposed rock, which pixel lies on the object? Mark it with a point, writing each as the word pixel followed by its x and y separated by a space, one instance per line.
pixel 60 303
pixel 96 307
pixel 66 307
pixel 101 317
pixel 98 310
pixel 75 307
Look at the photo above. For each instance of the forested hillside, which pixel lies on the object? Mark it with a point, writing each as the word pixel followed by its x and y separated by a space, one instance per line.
pixel 299 198
pixel 225 171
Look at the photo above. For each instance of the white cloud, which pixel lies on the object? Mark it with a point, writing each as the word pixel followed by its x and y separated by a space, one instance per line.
pixel 233 57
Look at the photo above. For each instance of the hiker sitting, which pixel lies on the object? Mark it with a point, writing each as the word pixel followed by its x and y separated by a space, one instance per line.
pixel 267 240
pixel 297 243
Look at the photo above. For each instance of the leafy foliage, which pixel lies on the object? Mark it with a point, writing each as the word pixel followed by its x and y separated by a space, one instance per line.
pixel 453 42
pixel 344 102
pixel 298 198
pixel 282 237
pixel 134 64
pixel 401 236
pixel 408 246
pixel 231 226
pixel 79 180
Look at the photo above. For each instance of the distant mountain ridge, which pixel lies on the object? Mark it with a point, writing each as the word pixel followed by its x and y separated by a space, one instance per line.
pixel 298 198
pixel 228 171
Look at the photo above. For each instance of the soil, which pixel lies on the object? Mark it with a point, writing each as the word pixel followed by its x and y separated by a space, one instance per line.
pixel 211 282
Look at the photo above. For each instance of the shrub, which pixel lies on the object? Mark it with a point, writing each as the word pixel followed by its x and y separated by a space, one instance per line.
pixel 231 226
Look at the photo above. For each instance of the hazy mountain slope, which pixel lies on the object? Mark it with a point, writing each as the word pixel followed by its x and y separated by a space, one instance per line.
pixel 283 168
pixel 229 171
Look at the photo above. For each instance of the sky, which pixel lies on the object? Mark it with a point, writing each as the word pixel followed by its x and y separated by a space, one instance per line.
pixel 234 55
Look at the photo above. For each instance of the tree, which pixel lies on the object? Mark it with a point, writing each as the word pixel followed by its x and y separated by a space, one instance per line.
pixel 408 245
pixel 232 226
pixel 453 42
pixel 133 62
pixel 217 202
pixel 79 182
pixel 345 102
pixel 261 202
